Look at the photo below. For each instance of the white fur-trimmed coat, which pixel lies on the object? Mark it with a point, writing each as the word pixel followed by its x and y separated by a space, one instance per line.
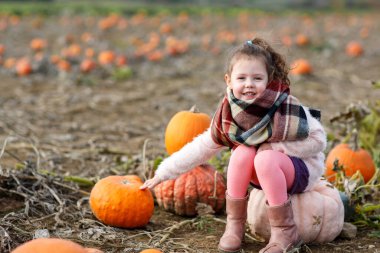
pixel 203 147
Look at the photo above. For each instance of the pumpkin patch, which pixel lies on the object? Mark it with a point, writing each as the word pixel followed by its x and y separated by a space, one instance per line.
pixel 88 90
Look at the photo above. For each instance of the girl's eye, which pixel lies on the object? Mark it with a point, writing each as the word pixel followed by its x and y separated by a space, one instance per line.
pixel 241 78
pixel 258 78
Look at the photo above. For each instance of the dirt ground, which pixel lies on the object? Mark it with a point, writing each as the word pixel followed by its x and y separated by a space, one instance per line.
pixel 92 130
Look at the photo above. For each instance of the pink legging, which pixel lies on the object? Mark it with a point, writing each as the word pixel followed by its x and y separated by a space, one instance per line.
pixel 272 170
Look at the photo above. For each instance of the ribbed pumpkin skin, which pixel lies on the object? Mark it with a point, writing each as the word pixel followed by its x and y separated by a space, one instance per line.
pixel 183 127
pixel 351 160
pixel 318 213
pixel 181 195
pixel 117 201
pixel 49 245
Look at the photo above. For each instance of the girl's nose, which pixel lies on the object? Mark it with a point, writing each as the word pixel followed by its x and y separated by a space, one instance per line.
pixel 249 83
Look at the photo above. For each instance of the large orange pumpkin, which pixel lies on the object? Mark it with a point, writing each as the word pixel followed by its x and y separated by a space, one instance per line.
pixel 183 127
pixel 318 213
pixel 202 184
pixel 118 201
pixel 351 160
pixel 49 245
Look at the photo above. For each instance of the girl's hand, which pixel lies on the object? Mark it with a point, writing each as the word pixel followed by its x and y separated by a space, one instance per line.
pixel 264 146
pixel 151 183
pixel 267 146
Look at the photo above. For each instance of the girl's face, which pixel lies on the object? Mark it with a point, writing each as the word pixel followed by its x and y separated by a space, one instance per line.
pixel 249 78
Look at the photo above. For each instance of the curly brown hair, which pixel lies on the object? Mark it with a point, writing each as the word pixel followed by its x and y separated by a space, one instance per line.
pixel 276 65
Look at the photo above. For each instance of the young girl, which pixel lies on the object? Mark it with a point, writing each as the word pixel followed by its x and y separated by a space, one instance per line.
pixel 277 145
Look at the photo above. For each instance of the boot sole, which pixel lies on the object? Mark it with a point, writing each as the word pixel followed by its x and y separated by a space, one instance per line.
pixel 225 251
pixel 296 248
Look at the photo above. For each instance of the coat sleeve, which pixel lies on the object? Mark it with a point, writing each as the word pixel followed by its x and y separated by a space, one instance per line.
pixel 200 150
pixel 310 146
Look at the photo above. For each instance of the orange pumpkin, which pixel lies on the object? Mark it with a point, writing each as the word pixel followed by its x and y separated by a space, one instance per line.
pixel 166 28
pixel 64 65
pixel 287 40
pixel 87 65
pixel 37 44
pixel 121 60
pixel 106 57
pixel 183 127
pixel 351 160
pixel 301 67
pixel 56 245
pixel 155 56
pixel 354 49
pixel 10 62
pixel 302 40
pixel 55 58
pixel 118 201
pixel 151 251
pixel 2 49
pixel 89 52
pixel 23 67
pixel 318 213
pixel 202 184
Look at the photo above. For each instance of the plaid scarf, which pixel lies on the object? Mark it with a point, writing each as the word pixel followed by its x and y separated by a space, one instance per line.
pixel 273 116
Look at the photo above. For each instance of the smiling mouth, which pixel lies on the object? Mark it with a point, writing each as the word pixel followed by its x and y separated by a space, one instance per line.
pixel 249 94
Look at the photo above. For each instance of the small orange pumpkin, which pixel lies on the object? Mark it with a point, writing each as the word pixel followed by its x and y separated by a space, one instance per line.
pixel 202 184
pixel 118 201
pixel 64 65
pixel 301 67
pixel 23 67
pixel 121 60
pixel 10 62
pixel 155 56
pixel 48 245
pixel 352 160
pixel 2 49
pixel 106 57
pixel 302 40
pixel 87 65
pixel 354 49
pixel 183 127
pixel 37 44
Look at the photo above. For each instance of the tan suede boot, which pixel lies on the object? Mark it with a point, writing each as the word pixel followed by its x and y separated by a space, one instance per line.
pixel 236 217
pixel 284 235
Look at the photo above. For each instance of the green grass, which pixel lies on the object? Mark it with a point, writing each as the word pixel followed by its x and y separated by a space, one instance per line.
pixel 97 8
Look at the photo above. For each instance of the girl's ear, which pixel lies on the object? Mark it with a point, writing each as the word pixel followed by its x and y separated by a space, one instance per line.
pixel 227 79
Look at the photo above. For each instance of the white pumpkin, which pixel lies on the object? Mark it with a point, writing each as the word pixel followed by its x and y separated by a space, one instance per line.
pixel 318 213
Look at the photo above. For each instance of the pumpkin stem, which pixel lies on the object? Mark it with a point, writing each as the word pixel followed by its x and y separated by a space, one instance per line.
pixel 194 109
pixel 356 139
pixel 125 181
